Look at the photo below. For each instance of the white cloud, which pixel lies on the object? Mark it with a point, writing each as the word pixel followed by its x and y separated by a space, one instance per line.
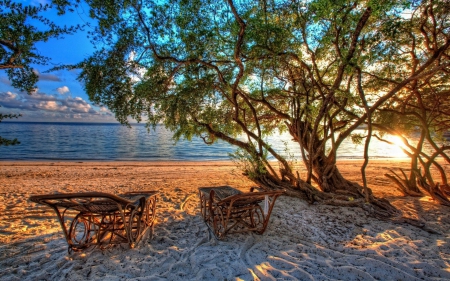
pixel 62 90
pixel 104 109
pixel 51 106
pixel 78 105
pixel 9 96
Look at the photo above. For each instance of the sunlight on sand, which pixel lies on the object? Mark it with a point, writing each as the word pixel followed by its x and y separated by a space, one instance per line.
pixel 302 241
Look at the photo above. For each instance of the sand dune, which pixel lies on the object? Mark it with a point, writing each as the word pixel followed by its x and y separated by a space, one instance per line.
pixel 302 242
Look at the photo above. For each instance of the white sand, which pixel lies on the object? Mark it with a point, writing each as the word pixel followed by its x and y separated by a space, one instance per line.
pixel 302 242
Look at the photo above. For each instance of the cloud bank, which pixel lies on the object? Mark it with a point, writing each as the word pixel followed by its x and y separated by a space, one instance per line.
pixel 57 108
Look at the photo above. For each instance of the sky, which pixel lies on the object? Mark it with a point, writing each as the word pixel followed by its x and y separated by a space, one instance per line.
pixel 59 97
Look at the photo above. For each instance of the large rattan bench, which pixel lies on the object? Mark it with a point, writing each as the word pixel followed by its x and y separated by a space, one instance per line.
pixel 228 210
pixel 99 219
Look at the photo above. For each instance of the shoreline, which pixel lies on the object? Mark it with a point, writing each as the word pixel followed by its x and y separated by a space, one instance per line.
pixel 112 162
pixel 172 162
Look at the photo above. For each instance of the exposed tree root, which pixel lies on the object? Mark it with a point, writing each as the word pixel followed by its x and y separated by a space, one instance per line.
pixel 416 223
pixel 445 189
pixel 382 209
pixel 438 193
pixel 379 208
pixel 403 185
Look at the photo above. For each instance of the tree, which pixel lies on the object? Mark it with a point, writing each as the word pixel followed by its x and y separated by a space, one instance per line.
pixel 220 70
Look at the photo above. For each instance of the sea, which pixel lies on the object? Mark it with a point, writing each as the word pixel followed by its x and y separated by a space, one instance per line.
pixel 116 142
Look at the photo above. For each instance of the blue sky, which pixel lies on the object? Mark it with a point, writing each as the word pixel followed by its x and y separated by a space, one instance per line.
pixel 60 97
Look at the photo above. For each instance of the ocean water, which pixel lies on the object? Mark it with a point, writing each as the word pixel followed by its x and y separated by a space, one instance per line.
pixel 107 142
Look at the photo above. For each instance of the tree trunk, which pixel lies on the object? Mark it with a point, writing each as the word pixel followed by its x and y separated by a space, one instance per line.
pixel 334 188
pixel 324 169
pixel 331 180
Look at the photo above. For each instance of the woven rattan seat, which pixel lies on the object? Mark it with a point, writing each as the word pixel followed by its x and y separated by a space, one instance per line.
pixel 227 210
pixel 99 219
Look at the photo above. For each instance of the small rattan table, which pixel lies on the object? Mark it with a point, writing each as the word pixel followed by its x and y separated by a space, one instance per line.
pixel 228 210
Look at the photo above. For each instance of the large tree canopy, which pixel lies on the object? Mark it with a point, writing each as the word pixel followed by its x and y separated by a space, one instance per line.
pixel 226 69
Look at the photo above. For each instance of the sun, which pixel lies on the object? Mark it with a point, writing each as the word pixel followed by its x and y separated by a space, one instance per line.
pixel 396 147
pixel 397 141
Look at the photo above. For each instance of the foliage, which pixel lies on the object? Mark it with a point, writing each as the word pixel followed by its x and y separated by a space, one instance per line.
pixel 249 164
pixel 19 34
pixel 7 142
pixel 4 141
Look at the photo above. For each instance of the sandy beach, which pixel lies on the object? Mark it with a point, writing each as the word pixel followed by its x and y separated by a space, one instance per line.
pixel 302 241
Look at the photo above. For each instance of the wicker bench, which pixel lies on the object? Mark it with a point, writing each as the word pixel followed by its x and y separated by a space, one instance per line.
pixel 99 219
pixel 227 210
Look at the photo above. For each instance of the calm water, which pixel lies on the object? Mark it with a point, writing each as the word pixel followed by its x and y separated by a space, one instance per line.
pixel 81 141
